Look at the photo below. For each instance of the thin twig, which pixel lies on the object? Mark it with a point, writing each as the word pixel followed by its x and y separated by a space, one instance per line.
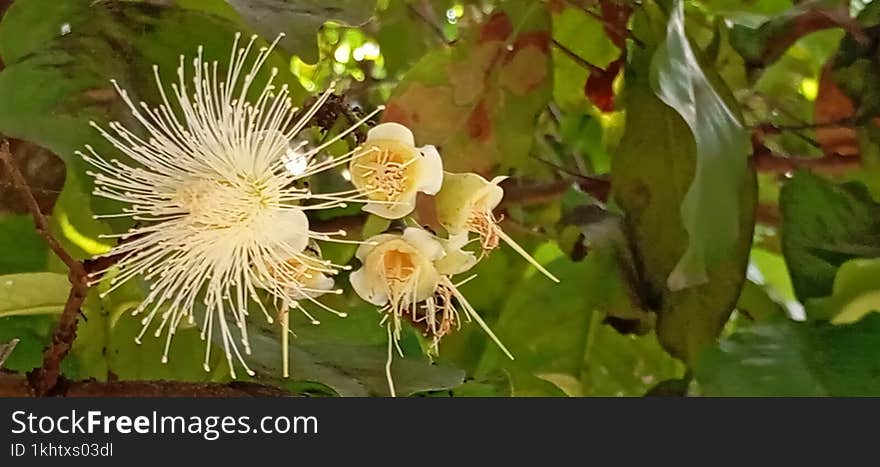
pixel 44 379
pixel 434 26
pixel 40 222
pixel 624 32
pixel 772 128
pixel 770 163
pixel 575 57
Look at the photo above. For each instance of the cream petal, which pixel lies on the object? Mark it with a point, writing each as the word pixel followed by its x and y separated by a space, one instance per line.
pixel 321 282
pixel 455 201
pixel 425 242
pixel 429 279
pixel 456 260
pixel 366 287
pixel 430 170
pixel 392 131
pixel 293 227
pixel 403 206
pixel 371 243
pixel 492 196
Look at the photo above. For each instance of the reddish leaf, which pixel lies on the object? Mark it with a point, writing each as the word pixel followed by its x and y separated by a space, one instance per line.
pixel 832 105
pixel 600 86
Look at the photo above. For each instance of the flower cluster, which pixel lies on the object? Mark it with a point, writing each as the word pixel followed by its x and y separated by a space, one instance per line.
pixel 410 274
pixel 213 183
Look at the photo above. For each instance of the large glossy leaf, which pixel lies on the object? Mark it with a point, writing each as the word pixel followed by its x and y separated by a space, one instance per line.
pixel 711 208
pixel 823 226
pixel 479 98
pixel 795 359
pixel 651 174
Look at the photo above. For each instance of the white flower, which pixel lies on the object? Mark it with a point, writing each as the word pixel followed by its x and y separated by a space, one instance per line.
pixel 408 276
pixel 218 211
pixel 391 171
pixel 466 203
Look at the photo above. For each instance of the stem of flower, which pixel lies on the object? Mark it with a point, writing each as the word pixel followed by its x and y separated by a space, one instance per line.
pixel 526 255
pixel 285 339
pixel 388 362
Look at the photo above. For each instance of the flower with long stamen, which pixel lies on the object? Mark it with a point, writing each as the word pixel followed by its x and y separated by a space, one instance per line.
pixel 302 278
pixel 220 213
pixel 408 275
pixel 466 204
pixel 390 170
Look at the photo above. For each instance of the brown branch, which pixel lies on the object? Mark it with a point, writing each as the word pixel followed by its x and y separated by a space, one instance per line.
pixel 44 379
pixel 772 128
pixel 770 163
pixel 13 386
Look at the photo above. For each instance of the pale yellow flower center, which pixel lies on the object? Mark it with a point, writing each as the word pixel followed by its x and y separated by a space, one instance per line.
pixel 221 204
pixel 384 170
pixel 398 270
pixel 484 223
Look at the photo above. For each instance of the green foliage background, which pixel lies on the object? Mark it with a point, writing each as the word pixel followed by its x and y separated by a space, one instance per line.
pixel 701 175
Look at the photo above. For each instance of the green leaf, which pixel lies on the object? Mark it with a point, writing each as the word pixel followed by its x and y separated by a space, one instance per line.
pixel 33 332
pixel 762 39
pixel 479 98
pixel 21 248
pixel 300 20
pixel 33 293
pixel 750 13
pixel 397 21
pixel 60 59
pixel 795 359
pixel 651 173
pixel 556 334
pixel 855 293
pixel 710 210
pixel 823 226
pixel 585 36
pixel 755 301
pixel 348 362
